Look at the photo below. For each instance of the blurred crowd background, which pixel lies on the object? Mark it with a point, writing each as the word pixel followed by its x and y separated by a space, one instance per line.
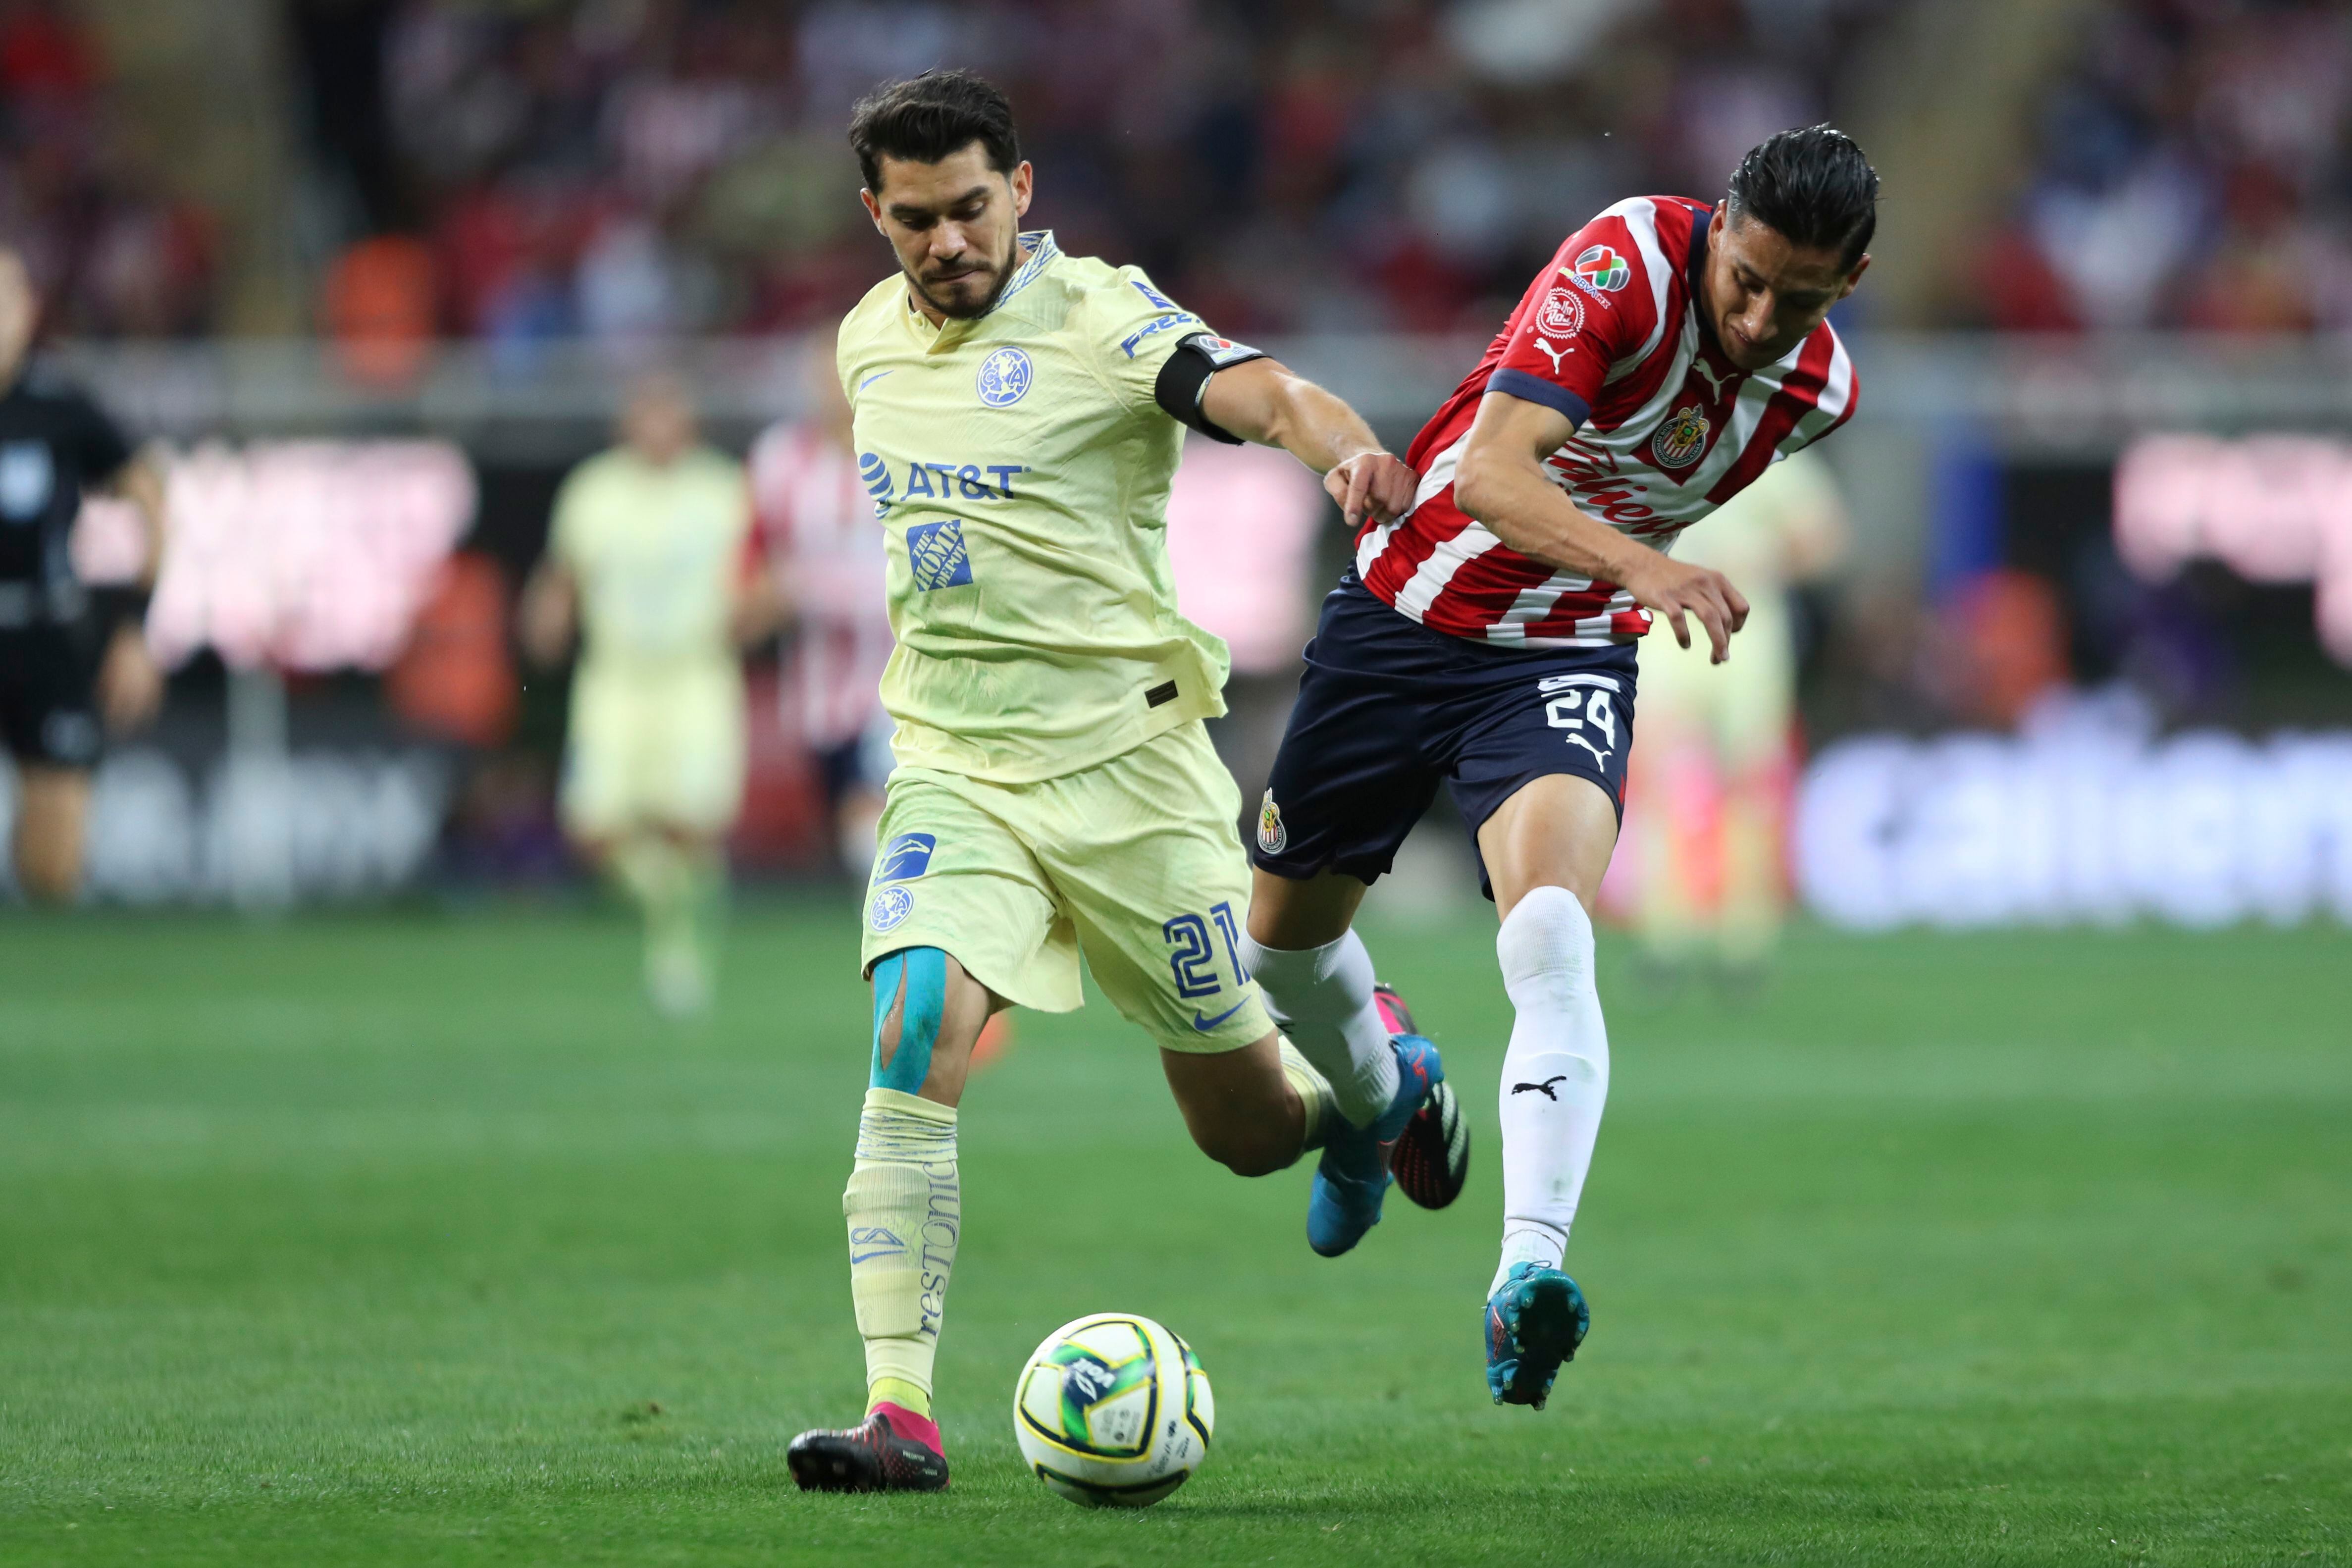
pixel 2107 223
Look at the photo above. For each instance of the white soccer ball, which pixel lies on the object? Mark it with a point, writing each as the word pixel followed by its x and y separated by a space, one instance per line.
pixel 1113 1411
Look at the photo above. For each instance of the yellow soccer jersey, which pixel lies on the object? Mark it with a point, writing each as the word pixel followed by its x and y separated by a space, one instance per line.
pixel 1020 469
pixel 655 551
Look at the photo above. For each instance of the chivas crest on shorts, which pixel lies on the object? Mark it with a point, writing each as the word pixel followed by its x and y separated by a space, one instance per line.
pixel 1272 836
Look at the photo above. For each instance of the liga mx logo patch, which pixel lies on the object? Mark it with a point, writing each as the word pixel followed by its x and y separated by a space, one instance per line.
pixel 937 556
pixel 1004 378
pixel 1681 438
pixel 1272 835
pixel 889 908
pixel 1602 269
pixel 905 857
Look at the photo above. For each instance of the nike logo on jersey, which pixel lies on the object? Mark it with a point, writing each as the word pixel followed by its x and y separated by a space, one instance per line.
pixel 1205 1024
pixel 1543 1089
pixel 872 379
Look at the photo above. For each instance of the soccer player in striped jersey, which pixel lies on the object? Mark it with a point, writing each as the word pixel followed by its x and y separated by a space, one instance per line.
pixel 1668 354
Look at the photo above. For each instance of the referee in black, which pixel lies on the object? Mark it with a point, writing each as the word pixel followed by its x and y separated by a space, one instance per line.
pixel 70 654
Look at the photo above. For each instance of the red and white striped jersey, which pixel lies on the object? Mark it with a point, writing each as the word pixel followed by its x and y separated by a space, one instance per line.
pixel 1667 429
pixel 815 524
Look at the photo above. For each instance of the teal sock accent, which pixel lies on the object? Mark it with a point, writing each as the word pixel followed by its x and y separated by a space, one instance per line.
pixel 924 971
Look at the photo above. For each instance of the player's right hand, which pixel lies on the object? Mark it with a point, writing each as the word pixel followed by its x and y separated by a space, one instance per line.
pixel 1379 485
pixel 1677 590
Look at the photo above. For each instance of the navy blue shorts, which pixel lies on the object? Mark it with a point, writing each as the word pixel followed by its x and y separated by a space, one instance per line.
pixel 1388 708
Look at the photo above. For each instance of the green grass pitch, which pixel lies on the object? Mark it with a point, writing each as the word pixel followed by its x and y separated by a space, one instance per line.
pixel 412 1239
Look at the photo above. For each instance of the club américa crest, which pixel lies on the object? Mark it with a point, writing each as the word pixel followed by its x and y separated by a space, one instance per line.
pixel 1681 438
pixel 1272 835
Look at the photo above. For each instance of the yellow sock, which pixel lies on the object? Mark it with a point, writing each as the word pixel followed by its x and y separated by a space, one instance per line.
pixel 904 1209
pixel 897 1391
pixel 1314 1092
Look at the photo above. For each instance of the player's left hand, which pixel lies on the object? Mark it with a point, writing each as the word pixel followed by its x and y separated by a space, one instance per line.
pixel 130 682
pixel 1374 484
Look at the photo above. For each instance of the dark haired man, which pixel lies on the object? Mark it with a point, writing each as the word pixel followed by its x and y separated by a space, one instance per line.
pixel 1487 638
pixel 1018 414
pixel 73 658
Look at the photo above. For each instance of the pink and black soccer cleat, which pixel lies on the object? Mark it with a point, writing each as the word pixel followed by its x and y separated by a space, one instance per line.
pixel 892 1450
pixel 1431 1158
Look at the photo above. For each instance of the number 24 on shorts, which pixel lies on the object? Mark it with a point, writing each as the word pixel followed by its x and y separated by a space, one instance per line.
pixel 1592 695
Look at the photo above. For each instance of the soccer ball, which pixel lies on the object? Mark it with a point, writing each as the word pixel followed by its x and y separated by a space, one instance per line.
pixel 1113 1411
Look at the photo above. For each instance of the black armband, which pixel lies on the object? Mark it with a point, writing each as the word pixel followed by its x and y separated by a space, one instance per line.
pixel 1184 376
pixel 113 606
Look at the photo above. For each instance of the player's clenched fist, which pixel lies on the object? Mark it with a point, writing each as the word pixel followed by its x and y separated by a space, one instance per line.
pixel 1675 589
pixel 1375 483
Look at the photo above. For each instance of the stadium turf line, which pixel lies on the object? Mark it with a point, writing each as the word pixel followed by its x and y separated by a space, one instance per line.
pixel 414 1238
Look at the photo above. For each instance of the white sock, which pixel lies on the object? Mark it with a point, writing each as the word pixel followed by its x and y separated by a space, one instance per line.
pixel 1322 998
pixel 1555 1075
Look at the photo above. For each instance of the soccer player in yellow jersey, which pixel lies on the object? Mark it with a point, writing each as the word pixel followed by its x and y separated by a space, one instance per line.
pixel 1018 417
pixel 646 557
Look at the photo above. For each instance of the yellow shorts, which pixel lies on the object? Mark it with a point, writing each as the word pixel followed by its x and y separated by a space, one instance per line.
pixel 1135 862
pixel 661 746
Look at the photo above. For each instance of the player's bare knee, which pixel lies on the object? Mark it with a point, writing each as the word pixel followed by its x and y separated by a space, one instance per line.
pixel 1253 1148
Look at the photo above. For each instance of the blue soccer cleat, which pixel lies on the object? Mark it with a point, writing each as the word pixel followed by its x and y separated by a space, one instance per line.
pixel 1353 1176
pixel 1533 1324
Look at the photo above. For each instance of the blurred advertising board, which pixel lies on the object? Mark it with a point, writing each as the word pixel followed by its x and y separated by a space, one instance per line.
pixel 2086 815
pixel 301 558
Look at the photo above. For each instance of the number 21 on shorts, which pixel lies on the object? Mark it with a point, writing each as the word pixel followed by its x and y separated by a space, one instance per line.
pixel 1194 960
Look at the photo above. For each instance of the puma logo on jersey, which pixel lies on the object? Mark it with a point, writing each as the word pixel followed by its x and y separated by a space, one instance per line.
pixel 1543 1089
pixel 1556 355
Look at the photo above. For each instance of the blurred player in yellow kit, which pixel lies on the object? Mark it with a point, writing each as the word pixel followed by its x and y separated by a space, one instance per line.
pixel 1709 795
pixel 647 559
pixel 1018 414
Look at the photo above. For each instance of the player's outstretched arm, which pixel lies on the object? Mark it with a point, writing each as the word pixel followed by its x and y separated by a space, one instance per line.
pixel 1502 482
pixel 551 607
pixel 1263 400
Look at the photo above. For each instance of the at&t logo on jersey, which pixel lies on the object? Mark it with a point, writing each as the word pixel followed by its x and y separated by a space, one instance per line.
pixel 876 475
pixel 1602 269
pixel 1563 315
pixel 1004 378
pixel 1681 438
pixel 937 555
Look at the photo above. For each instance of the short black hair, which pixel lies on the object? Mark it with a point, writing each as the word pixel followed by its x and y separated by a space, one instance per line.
pixel 1814 187
pixel 930 117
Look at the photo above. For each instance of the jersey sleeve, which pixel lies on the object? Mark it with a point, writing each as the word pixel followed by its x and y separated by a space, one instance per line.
pixel 1591 307
pixel 1137 329
pixel 99 447
pixel 565 542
